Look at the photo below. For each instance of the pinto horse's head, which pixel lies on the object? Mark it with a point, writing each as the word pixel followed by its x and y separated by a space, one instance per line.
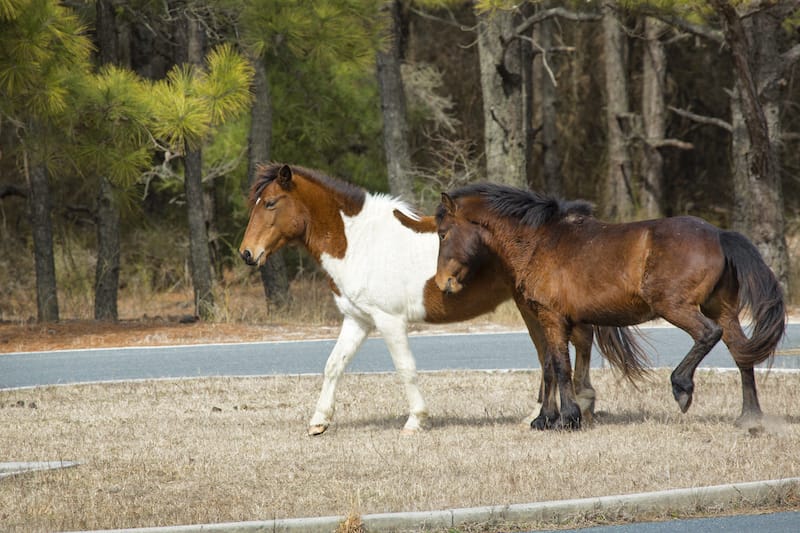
pixel 461 247
pixel 276 217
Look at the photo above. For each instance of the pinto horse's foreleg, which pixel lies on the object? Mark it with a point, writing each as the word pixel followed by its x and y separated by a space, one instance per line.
pixel 581 338
pixel 705 333
pixel 395 332
pixel 351 336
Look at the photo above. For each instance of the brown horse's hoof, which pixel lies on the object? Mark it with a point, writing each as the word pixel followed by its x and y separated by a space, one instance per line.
pixel 543 422
pixel 319 429
pixel 751 422
pixel 684 400
pixel 565 423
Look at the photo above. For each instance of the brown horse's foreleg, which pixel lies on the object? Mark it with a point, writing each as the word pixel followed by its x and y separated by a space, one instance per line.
pixel 705 333
pixel 548 414
pixel 558 370
pixel 547 395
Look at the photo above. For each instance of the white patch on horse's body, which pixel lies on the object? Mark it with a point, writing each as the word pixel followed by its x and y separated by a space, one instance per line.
pixel 386 265
pixel 380 279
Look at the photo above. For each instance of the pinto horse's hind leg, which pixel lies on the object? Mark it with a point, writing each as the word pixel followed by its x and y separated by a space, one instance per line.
pixel 351 336
pixel 395 333
pixel 582 337
pixel 705 333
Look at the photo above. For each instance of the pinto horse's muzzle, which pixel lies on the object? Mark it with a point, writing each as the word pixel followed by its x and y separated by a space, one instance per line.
pixel 248 257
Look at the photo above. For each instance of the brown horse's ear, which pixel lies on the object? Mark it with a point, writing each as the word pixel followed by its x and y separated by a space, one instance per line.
pixel 285 177
pixel 449 204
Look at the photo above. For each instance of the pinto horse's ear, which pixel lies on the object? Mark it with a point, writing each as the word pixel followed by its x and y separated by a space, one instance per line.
pixel 448 204
pixel 285 177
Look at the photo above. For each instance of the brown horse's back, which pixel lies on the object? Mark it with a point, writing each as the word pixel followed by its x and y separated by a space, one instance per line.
pixel 611 274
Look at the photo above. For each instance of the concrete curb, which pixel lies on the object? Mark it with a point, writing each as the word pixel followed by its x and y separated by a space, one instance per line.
pixel 555 512
pixel 16 468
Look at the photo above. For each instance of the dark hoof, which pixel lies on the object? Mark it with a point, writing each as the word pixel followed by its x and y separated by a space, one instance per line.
pixel 753 423
pixel 684 401
pixel 682 391
pixel 542 422
pixel 567 424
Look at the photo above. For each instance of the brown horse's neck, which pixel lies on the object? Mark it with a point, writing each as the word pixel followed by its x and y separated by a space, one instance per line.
pixel 512 242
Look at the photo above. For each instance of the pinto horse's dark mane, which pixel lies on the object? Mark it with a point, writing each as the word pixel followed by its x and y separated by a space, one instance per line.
pixel 267 173
pixel 529 207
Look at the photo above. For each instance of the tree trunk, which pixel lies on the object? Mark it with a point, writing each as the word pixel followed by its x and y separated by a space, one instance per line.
pixel 273 273
pixel 107 212
pixel 42 226
pixel 393 107
pixel 505 88
pixel 758 194
pixel 548 100
pixel 618 195
pixel 654 118
pixel 199 255
pixel 108 254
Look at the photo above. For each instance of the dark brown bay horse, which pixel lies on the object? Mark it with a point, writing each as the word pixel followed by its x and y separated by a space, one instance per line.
pixel 381 272
pixel 572 269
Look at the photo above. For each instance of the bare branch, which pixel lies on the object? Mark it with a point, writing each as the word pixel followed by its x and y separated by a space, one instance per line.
pixel 682 24
pixel 560 12
pixel 12 190
pixel 702 119
pixel 673 143
pixel 789 57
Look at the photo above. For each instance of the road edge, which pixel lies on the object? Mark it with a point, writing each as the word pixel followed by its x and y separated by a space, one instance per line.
pixel 755 493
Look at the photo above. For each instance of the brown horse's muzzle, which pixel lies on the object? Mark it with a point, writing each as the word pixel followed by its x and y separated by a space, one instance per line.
pixel 448 283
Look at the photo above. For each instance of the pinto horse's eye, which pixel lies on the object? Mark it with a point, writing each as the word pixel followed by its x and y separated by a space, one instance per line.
pixel 442 236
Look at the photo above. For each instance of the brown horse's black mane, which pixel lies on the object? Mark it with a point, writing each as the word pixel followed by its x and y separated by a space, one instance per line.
pixel 267 173
pixel 530 207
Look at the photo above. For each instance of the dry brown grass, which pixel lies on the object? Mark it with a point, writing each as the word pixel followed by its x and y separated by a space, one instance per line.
pixel 218 450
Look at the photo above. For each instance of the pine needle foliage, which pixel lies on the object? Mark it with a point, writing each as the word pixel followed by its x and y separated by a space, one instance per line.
pixel 191 101
pixel 113 137
pixel 44 54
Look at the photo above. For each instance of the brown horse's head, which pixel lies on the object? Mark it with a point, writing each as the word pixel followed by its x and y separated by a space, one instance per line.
pixel 461 247
pixel 276 217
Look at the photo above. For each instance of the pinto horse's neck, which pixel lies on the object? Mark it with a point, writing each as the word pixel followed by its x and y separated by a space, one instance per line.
pixel 322 204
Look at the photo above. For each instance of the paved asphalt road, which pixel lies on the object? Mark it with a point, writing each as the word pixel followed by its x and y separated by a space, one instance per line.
pixel 786 522
pixel 667 346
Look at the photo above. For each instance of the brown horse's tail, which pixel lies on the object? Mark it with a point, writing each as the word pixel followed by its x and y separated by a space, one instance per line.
pixel 760 293
pixel 620 348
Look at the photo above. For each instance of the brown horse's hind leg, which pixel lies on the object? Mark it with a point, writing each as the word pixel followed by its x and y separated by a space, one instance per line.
pixel 705 333
pixel 734 337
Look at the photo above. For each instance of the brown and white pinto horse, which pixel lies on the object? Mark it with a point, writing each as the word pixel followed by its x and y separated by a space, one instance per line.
pixel 381 272
pixel 570 271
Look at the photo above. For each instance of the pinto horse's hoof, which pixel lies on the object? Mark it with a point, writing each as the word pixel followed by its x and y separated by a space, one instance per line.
pixel 316 430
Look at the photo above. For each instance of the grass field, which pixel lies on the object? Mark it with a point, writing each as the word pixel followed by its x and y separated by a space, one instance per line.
pixel 219 450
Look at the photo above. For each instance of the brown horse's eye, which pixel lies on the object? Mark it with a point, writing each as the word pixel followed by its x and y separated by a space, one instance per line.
pixel 270 204
pixel 442 236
